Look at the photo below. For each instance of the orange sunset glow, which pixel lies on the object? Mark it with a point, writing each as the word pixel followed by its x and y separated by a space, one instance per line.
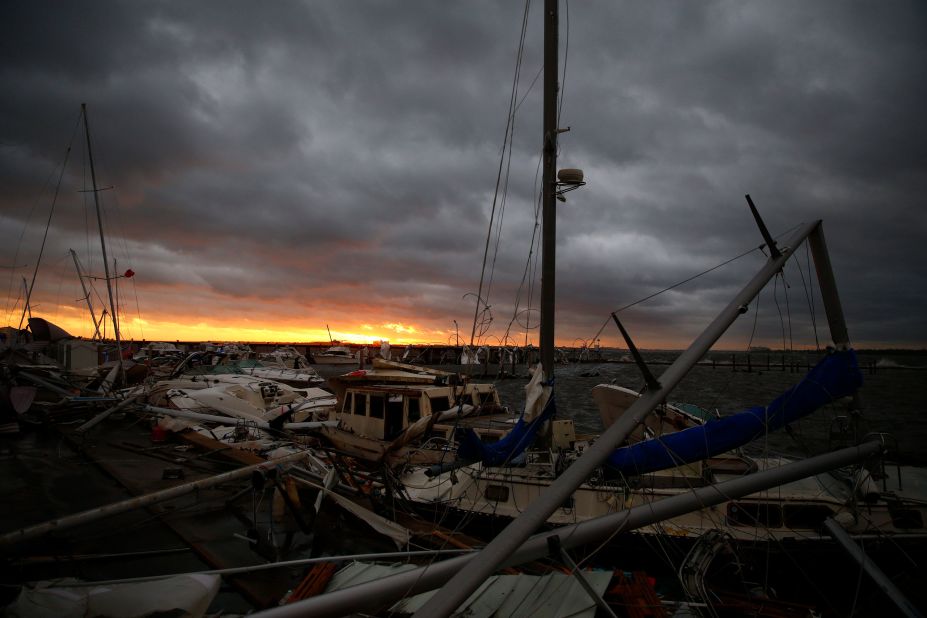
pixel 166 327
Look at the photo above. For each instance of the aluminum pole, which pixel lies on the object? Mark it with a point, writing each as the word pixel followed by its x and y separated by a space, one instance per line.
pixel 376 595
pixel 832 307
pixel 125 403
pixel 495 553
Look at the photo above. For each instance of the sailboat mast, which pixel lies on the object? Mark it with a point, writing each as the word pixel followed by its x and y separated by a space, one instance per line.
pixel 549 187
pixel 96 201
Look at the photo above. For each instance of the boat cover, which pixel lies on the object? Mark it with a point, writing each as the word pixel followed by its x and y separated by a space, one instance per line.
pixel 836 376
pixel 510 446
pixel 514 596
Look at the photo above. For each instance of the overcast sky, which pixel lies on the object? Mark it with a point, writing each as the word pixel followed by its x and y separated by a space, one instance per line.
pixel 277 167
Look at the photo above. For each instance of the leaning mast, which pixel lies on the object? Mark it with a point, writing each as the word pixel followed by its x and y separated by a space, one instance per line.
pixel 96 201
pixel 83 285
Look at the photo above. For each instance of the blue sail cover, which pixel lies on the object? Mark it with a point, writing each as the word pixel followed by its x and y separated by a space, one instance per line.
pixel 510 446
pixel 836 376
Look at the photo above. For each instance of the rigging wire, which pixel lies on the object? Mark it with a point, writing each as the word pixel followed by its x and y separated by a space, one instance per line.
pixel 531 261
pixel 109 219
pixel 782 325
pixel 122 242
pixel 530 266
pixel 501 180
pixel 51 212
pixel 671 287
pixel 807 287
pixel 35 204
pixel 696 276
pixel 506 148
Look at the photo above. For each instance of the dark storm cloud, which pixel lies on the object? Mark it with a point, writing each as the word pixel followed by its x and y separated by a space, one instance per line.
pixel 345 154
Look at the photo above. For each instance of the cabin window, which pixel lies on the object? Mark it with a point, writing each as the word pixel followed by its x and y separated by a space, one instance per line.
pixel 440 404
pixel 496 493
pixel 359 406
pixel 480 399
pixel 805 515
pixel 376 406
pixel 393 425
pixel 906 519
pixel 753 514
pixel 415 410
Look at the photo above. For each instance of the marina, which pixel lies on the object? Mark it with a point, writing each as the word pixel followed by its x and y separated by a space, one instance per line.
pixel 485 471
pixel 126 457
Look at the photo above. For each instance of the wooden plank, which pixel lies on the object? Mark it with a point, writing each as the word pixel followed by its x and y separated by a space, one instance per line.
pixel 314 583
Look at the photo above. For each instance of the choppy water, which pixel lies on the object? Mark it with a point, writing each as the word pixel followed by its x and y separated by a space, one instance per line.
pixel 893 394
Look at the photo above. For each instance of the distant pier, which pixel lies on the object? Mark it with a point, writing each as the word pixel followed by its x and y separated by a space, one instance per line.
pixel 495 359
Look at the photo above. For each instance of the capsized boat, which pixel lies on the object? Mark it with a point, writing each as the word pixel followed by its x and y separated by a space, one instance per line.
pixel 217 363
pixel 242 397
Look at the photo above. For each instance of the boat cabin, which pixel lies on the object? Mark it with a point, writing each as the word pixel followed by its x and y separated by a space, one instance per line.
pixel 382 412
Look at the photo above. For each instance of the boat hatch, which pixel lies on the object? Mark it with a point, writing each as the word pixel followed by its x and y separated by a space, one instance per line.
pixel 496 493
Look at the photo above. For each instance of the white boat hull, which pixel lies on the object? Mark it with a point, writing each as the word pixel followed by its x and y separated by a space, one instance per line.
pixel 793 512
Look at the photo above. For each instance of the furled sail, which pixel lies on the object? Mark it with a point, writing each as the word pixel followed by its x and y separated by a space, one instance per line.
pixel 836 376
pixel 539 408
pixel 509 447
